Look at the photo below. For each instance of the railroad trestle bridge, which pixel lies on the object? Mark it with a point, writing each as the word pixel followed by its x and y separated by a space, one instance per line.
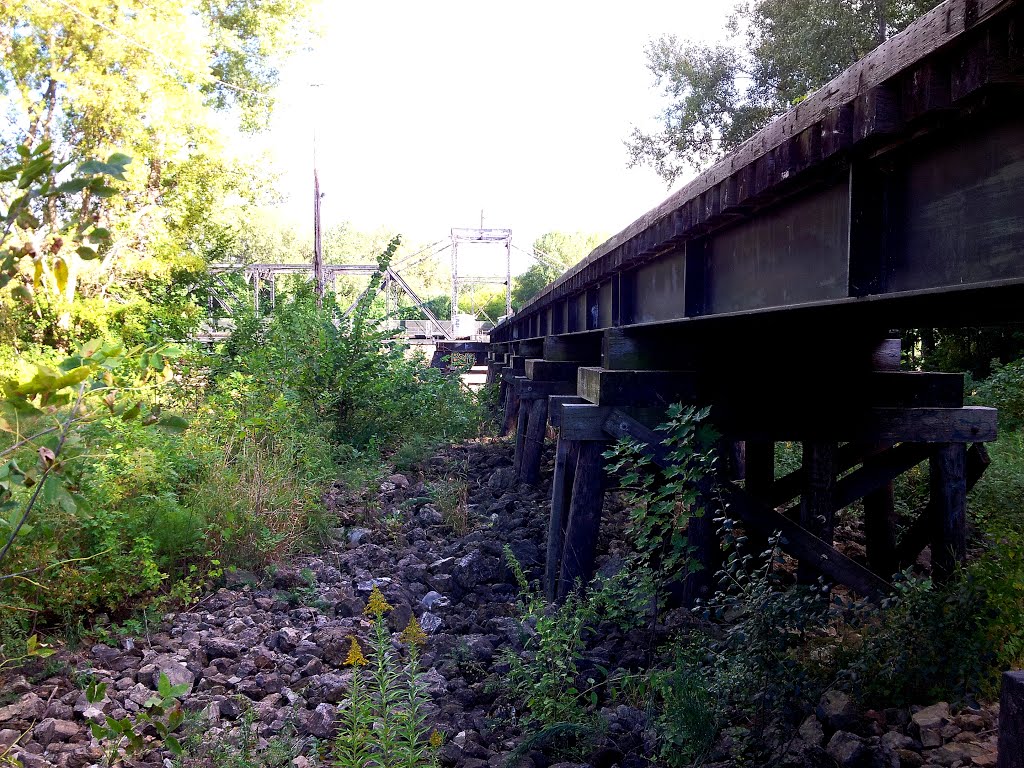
pixel 770 287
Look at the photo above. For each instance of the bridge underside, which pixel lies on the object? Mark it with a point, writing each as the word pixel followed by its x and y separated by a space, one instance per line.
pixel 768 289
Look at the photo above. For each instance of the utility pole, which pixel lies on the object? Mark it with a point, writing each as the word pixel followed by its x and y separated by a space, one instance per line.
pixel 318 254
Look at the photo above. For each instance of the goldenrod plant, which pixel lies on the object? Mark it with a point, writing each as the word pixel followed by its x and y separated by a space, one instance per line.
pixel 383 724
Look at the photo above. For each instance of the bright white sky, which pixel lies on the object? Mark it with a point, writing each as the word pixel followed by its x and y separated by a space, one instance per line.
pixel 430 111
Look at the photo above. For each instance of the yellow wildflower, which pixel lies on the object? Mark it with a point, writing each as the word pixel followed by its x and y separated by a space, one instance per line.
pixel 377 605
pixel 413 633
pixel 355 656
pixel 435 740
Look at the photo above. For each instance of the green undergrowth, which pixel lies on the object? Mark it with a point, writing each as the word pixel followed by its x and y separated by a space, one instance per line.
pixel 752 660
pixel 146 516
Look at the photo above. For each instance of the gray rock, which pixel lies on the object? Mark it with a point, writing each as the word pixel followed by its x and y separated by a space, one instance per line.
pixel 503 477
pixel 51 730
pixel 399 481
pixel 28 707
pixel 430 623
pixel 836 710
pixel 434 599
pixel 811 731
pixel 221 648
pixel 934 716
pixel 358 536
pixel 319 722
pixel 846 749
pixel 368 585
pixel 177 673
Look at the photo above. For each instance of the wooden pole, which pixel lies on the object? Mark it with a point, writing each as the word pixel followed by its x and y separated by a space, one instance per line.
pixel 566 454
pixel 759 477
pixel 580 550
pixel 817 504
pixel 1011 721
pixel 949 507
pixel 522 417
pixel 533 445
pixel 879 529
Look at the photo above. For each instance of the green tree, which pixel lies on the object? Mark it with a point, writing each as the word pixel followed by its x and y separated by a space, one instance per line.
pixel 719 95
pixel 143 79
pixel 556 252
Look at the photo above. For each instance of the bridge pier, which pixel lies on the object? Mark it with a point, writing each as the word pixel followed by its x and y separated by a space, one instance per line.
pixel 878 423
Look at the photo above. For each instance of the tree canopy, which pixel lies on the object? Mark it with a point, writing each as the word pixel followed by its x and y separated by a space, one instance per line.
pixel 558 251
pixel 142 82
pixel 779 52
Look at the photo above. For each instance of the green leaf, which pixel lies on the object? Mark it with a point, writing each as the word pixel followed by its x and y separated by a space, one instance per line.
pixel 86 252
pixel 60 273
pixel 174 745
pixel 174 423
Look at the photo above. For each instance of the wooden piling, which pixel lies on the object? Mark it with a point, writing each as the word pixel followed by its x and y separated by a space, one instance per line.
pixel 759 477
pixel 949 507
pixel 533 443
pixel 522 417
pixel 817 504
pixel 1011 721
pixel 580 548
pixel 566 454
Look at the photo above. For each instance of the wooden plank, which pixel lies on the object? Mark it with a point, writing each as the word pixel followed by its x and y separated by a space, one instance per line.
pixel 511 403
pixel 537 422
pixel 522 417
pixel 804 545
pixel 547 370
pixel 585 347
pixel 787 487
pixel 528 348
pixel 531 390
pixel 878 470
pixel 948 504
pixel 625 350
pixel 555 403
pixel 635 388
pixel 584 422
pixel 759 477
pixel 1011 721
pixel 817 502
pixel 917 425
pixel 566 454
pixel 584 525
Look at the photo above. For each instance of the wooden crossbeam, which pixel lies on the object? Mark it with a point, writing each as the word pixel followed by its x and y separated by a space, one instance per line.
pixel 532 390
pixel 549 370
pixel 555 403
pixel 796 540
pixel 881 470
pixel 917 425
pixel 635 388
pixel 531 348
pixel 569 347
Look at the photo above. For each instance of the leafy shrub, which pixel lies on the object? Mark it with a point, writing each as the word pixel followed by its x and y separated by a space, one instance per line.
pixel 547 678
pixel 1003 389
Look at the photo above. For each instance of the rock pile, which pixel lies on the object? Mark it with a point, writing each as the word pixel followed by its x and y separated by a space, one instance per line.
pixel 264 655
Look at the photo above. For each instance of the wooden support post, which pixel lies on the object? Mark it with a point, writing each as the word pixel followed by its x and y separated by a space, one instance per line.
pixel 533 444
pixel 511 403
pixel 566 454
pixel 580 548
pixel 1011 721
pixel 949 508
pixel 759 477
pixel 522 416
pixel 879 527
pixel 916 537
pixel 817 504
